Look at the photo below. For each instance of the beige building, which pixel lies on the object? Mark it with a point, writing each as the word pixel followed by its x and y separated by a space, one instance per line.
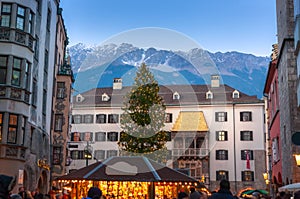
pixel 215 131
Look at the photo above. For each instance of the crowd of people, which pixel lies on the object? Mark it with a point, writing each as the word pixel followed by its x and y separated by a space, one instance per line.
pixel 7 183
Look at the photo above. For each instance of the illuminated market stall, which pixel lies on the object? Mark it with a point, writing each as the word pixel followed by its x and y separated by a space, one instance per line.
pixel 128 177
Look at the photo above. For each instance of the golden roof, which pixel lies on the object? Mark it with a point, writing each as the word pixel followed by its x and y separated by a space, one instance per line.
pixel 190 121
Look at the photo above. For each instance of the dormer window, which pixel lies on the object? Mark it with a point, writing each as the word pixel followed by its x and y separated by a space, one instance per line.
pixel 209 95
pixel 105 97
pixel 176 96
pixel 235 94
pixel 79 98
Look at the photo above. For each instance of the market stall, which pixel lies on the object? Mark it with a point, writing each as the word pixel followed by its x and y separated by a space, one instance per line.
pixel 129 177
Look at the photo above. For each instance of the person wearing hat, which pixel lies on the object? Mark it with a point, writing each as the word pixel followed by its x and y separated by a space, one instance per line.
pixel 94 193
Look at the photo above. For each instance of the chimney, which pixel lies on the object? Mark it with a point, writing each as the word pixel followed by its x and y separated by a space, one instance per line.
pixel 215 81
pixel 117 84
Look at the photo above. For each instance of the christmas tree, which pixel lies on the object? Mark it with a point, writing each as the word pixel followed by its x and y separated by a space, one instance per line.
pixel 143 119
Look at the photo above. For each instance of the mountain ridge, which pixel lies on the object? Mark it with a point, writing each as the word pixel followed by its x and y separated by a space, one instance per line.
pixel 100 64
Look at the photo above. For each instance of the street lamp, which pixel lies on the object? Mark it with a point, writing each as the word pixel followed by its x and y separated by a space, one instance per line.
pixel 87 153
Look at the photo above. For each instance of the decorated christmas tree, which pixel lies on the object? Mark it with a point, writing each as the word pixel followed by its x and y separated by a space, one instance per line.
pixel 143 119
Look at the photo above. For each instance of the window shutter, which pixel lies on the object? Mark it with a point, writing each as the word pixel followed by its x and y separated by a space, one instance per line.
pixel 241 116
pixel 250 116
pixel 226 155
pixel 216 117
pixel 252 176
pixel 243 176
pixel 225 116
pixel 226 135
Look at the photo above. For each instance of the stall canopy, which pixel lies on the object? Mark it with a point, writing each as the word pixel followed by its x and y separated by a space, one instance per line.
pixel 128 169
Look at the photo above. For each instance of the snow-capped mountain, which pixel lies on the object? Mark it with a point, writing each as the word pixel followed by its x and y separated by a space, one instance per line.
pixel 96 66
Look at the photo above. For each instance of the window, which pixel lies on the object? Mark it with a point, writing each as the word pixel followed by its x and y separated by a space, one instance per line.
pixel 176 96
pixel 235 94
pixel 20 23
pixel 34 92
pixel 23 127
pixel 245 116
pixel 36 47
pixel 247 176
pixel 87 136
pixel 101 118
pixel 1 124
pixel 12 129
pixel 60 90
pixel 112 136
pixel 111 153
pixel 178 143
pixel 113 118
pixel 105 97
pixel 221 155
pixel 30 27
pixel 221 174
pixel 221 136
pixel 244 154
pixel 57 155
pixel 3 68
pixel 58 122
pixel 169 136
pixel 48 20
pixel 221 116
pixel 75 137
pixel 77 155
pixel 5 15
pixel 100 136
pixel 16 72
pixel 26 77
pixel 246 136
pixel 76 119
pixel 88 119
pixel 99 154
pixel 209 95
pixel 168 118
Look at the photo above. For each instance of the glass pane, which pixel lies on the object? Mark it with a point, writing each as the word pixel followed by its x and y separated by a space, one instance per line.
pixel 3 61
pixel 13 119
pixel 17 63
pixel 12 135
pixel 6 8
pixel 20 23
pixel 16 78
pixel 2 76
pixel 21 11
pixel 5 20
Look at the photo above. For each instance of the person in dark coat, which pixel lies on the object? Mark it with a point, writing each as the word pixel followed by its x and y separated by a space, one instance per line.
pixel 7 183
pixel 224 191
pixel 182 194
pixel 194 193
pixel 94 193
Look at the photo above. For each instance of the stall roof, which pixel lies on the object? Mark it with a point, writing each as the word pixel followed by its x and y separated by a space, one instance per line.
pixel 133 168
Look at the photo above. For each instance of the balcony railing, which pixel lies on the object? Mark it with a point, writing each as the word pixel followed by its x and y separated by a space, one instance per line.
pixel 12 152
pixel 14 93
pixel 16 36
pixel 199 152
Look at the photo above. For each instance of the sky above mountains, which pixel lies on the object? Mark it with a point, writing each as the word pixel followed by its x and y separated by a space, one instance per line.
pixel 247 26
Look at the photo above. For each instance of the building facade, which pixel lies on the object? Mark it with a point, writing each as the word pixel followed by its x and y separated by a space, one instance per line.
pixel 274 151
pixel 27 60
pixel 215 131
pixel 287 86
pixel 63 79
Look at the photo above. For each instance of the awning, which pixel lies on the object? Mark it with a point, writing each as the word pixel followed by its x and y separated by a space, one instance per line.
pixel 190 121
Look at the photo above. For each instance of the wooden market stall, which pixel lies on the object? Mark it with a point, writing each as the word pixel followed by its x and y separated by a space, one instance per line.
pixel 129 177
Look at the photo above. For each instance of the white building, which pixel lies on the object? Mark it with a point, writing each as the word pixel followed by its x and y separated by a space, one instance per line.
pixel 215 131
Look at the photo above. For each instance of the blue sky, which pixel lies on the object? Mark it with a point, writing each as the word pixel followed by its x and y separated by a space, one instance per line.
pixel 247 26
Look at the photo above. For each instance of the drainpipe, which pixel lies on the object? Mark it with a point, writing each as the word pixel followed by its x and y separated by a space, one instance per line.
pixel 234 149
